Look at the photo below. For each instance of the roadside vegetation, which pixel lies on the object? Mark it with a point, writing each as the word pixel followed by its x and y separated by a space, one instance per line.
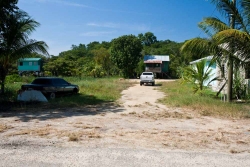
pixel 92 91
pixel 207 104
pixel 95 91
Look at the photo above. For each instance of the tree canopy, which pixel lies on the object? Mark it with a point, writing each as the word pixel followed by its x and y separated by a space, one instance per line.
pixel 126 53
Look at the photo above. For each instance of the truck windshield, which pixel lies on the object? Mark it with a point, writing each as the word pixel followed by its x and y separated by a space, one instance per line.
pixel 147 73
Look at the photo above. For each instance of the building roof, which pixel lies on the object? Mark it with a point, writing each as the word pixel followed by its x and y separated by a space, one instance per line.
pixel 155 58
pixel 29 59
pixel 196 61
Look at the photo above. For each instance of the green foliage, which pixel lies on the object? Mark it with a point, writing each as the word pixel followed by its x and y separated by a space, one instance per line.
pixel 148 38
pixel 126 53
pixel 198 75
pixel 140 67
pixel 13 78
pixel 239 86
pixel 102 59
pixel 181 95
pixel 15 43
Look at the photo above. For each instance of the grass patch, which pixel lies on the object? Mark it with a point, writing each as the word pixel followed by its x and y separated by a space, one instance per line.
pixel 181 95
pixel 92 91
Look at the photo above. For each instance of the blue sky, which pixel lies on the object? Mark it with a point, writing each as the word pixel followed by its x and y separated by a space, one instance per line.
pixel 68 22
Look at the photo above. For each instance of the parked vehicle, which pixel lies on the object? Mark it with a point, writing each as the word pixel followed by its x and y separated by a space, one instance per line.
pixel 147 77
pixel 50 86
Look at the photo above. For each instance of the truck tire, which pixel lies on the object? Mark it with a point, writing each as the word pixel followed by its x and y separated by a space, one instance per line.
pixel 153 84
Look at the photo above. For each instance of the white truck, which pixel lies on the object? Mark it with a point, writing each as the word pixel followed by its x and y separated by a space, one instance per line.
pixel 147 77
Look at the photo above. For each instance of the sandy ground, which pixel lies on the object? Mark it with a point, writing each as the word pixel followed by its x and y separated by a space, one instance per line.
pixel 131 127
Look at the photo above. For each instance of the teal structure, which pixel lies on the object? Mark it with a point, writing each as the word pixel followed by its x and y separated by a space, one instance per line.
pixel 158 64
pixel 30 65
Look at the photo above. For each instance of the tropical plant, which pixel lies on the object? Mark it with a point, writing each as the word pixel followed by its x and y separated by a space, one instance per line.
pixel 15 42
pixel 230 40
pixel 199 74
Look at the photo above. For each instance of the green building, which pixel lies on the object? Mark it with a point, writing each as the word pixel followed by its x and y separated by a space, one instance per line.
pixel 158 64
pixel 30 65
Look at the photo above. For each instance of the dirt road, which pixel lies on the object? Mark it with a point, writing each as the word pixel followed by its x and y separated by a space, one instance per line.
pixel 134 131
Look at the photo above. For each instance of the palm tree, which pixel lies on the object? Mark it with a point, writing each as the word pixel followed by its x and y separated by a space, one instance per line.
pixel 230 39
pixel 199 74
pixel 15 42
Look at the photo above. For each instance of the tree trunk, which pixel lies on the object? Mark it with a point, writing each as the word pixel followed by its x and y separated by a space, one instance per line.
pixel 3 73
pixel 230 80
pixel 230 59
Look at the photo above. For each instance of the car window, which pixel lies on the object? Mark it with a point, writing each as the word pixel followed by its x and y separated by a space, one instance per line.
pixel 42 81
pixel 59 81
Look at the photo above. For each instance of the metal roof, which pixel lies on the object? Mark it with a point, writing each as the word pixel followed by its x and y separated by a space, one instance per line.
pixel 155 58
pixel 29 59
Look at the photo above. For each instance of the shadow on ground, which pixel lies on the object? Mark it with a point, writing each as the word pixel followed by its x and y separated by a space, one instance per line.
pixel 84 105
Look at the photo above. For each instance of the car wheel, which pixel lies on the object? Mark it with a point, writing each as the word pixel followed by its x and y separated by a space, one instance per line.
pixel 75 91
pixel 52 95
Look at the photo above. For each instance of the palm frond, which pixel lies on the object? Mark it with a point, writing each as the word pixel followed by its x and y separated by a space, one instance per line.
pixel 230 9
pixel 212 25
pixel 238 39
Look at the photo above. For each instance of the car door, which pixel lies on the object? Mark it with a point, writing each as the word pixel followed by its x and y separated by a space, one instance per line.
pixel 58 85
pixel 66 86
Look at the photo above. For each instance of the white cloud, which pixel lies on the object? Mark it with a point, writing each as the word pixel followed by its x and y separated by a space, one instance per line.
pixel 134 27
pixel 64 3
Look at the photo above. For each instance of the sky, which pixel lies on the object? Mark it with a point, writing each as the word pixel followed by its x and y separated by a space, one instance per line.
pixel 64 23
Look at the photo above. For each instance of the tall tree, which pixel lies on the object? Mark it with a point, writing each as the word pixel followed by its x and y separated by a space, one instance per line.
pixel 230 40
pixel 102 58
pixel 15 42
pixel 148 38
pixel 126 53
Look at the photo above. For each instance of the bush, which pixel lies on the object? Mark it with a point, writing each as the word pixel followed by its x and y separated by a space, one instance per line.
pixel 13 78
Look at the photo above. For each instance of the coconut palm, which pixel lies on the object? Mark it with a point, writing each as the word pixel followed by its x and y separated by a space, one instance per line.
pixel 15 42
pixel 199 74
pixel 226 40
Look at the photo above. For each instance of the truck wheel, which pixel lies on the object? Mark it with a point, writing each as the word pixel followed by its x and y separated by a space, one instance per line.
pixel 52 95
pixel 153 84
pixel 141 84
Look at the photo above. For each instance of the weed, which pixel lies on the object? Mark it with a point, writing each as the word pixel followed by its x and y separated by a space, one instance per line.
pixel 73 137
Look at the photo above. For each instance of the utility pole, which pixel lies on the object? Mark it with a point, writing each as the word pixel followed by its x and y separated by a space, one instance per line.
pixel 230 59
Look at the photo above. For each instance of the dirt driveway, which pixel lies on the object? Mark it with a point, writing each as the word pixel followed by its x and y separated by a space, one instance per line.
pixel 136 122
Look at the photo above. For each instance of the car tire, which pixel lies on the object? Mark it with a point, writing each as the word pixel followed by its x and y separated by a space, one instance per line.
pixel 75 91
pixel 52 95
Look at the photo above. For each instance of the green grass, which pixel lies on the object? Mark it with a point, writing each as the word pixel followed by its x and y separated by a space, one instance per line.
pixel 181 95
pixel 92 91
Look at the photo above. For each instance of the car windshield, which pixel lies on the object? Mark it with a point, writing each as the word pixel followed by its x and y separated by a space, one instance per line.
pixel 42 81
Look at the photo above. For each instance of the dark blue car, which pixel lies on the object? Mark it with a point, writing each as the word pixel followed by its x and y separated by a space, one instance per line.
pixel 50 86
